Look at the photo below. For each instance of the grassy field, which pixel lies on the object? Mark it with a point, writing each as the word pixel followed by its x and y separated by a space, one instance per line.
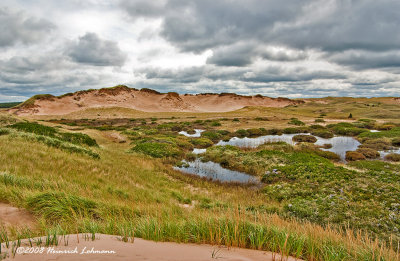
pixel 74 178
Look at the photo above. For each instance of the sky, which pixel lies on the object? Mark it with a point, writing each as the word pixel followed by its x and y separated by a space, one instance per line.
pixel 291 48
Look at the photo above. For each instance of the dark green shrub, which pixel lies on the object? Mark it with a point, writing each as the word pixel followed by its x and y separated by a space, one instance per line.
pixel 297 122
pixel 78 138
pixel 319 120
pixel 242 133
pixel 36 128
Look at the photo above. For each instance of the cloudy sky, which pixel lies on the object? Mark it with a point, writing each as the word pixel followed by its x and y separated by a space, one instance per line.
pixel 292 48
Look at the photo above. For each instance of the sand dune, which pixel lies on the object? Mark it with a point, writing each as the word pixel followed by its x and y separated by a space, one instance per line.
pixel 110 248
pixel 143 100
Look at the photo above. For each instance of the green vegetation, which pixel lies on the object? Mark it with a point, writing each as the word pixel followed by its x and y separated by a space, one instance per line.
pixel 295 121
pixel 8 104
pixel 307 206
pixel 75 138
pixel 304 138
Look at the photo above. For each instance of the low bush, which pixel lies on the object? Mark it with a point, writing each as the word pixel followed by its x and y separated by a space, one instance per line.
pixel 369 153
pixel 158 150
pixel 396 142
pixel 297 122
pixel 304 138
pixel 254 132
pixel 201 142
pixel 376 144
pixel 326 134
pixel 353 156
pixel 393 157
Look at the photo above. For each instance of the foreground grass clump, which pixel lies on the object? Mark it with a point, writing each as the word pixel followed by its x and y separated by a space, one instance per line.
pixel 56 206
pixel 76 138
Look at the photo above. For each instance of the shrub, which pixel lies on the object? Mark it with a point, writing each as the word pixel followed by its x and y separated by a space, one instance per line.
pixel 326 134
pixel 292 130
pixel 396 142
pixel 376 144
pixel 254 132
pixel 393 133
pixel 235 119
pixel 242 133
pixel 304 138
pixel 319 120
pixel 78 138
pixel 157 150
pixel 212 135
pixel 393 157
pixel 297 122
pixel 348 131
pixel 201 142
pixel 369 153
pixel 353 156
pixel 36 128
pixel 215 123
pixel 4 132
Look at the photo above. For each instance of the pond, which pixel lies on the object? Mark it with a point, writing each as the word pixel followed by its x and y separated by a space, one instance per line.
pixel 215 172
pixel 340 144
pixel 197 133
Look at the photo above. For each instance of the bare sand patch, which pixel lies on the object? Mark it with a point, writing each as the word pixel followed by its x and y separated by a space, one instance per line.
pixel 114 249
pixel 15 217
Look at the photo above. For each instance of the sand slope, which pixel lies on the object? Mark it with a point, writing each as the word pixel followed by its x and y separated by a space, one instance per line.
pixel 17 217
pixel 143 100
pixel 143 250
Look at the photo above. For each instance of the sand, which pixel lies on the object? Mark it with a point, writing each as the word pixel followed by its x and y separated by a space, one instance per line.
pixel 114 249
pixel 144 100
pixel 16 217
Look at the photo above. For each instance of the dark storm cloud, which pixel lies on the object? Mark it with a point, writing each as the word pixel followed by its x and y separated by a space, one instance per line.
pixel 327 25
pixel 18 27
pixel 360 60
pixel 90 49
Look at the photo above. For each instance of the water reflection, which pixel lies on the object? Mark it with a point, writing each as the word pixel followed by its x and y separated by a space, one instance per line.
pixel 214 171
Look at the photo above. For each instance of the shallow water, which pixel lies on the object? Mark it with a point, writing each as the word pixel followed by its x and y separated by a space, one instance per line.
pixel 195 135
pixel 340 144
pixel 214 171
pixel 386 152
pixel 198 151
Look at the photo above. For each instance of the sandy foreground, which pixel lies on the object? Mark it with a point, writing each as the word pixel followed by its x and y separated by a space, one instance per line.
pixel 108 247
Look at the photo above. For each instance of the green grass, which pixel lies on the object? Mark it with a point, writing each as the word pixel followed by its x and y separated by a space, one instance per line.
pixel 35 128
pixel 8 104
pixel 304 209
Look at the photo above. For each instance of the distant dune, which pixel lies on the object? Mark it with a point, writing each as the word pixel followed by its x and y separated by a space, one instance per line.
pixel 144 100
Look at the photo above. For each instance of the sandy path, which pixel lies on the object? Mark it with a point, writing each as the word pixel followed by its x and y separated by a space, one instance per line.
pixel 142 250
